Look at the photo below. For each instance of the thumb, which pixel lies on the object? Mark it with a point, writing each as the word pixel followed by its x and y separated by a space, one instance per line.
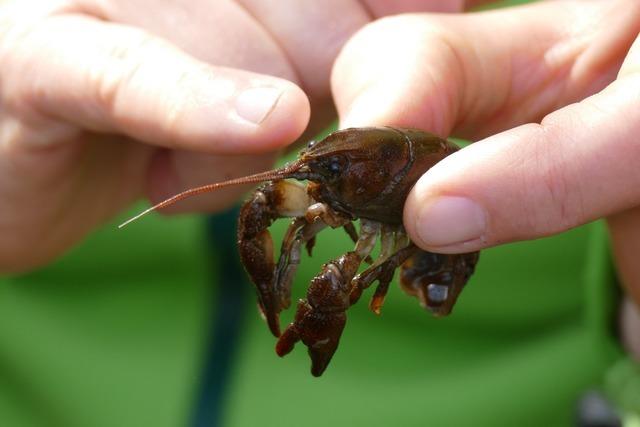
pixel 108 77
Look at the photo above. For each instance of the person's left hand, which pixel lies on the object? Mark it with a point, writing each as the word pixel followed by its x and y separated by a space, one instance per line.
pixel 105 101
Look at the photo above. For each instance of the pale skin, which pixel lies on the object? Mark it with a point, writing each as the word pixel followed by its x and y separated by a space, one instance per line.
pixel 552 93
pixel 103 102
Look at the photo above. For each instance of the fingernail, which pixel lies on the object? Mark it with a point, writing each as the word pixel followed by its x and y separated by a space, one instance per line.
pixel 255 104
pixel 450 220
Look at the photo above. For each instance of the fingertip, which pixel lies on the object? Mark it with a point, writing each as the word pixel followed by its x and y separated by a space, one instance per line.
pixel 259 114
pixel 366 110
pixel 445 223
pixel 286 121
pixel 396 105
pixel 384 76
pixel 450 208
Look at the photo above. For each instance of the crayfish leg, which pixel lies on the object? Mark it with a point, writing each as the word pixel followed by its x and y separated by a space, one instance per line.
pixel 437 279
pixel 395 249
pixel 377 300
pixel 272 200
pixel 299 233
pixel 382 272
pixel 302 231
pixel 350 229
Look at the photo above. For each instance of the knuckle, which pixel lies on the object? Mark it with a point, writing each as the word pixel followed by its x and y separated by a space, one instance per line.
pixel 184 83
pixel 15 57
pixel 122 69
pixel 21 91
pixel 560 196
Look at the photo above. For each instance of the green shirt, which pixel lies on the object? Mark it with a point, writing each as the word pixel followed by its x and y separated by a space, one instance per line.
pixel 113 335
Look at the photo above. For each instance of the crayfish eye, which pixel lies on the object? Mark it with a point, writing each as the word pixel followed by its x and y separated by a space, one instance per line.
pixel 311 143
pixel 329 168
pixel 335 167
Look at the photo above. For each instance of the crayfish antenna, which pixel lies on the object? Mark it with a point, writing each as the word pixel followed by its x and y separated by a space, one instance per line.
pixel 285 172
pixel 141 214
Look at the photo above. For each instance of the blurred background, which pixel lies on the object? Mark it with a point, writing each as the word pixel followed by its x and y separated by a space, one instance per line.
pixel 156 325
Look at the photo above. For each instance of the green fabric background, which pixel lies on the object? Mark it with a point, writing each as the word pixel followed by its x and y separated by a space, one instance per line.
pixel 112 336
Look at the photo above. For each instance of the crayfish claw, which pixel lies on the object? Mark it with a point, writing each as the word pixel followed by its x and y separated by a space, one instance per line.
pixel 256 251
pixel 320 358
pixel 271 316
pixel 259 249
pixel 320 319
pixel 292 334
pixel 437 279
pixel 321 335
pixel 319 331
pixel 287 341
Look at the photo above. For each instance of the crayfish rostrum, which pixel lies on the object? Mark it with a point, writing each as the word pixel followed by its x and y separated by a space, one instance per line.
pixel 359 173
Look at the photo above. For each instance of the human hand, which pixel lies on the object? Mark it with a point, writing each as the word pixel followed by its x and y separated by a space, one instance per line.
pixel 554 90
pixel 102 102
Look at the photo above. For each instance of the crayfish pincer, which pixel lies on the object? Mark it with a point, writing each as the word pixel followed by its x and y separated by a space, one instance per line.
pixel 359 173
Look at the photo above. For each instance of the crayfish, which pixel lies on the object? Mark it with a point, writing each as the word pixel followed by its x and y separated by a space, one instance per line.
pixel 358 173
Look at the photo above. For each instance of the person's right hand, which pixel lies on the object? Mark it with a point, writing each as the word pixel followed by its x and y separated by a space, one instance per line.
pixel 83 82
pixel 551 90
